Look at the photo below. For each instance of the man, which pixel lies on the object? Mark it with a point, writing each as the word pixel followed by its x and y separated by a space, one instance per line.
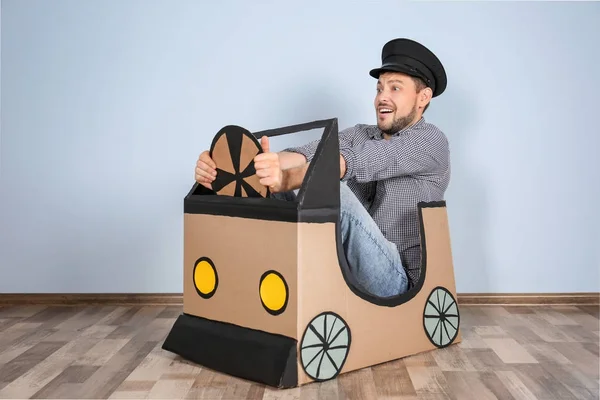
pixel 386 169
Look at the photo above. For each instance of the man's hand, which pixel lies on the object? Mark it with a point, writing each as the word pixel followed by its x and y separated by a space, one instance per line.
pixel 342 166
pixel 268 167
pixel 205 170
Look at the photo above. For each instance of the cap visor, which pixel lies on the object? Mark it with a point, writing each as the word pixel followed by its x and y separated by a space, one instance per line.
pixel 391 68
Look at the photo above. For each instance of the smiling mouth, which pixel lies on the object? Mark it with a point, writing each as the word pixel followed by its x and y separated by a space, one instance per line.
pixel 382 111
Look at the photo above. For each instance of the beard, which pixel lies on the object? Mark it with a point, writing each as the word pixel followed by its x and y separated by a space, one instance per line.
pixel 399 123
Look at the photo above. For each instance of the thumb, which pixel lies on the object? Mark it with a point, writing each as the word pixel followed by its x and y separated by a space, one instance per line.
pixel 264 142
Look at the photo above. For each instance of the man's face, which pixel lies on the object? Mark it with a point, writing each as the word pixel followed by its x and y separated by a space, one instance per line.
pixel 396 102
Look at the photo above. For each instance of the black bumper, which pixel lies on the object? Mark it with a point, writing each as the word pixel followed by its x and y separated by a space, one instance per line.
pixel 242 352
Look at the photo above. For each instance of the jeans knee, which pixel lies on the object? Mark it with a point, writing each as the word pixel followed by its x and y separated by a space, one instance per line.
pixel 348 200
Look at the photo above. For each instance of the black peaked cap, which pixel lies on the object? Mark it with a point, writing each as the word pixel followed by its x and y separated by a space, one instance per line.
pixel 412 58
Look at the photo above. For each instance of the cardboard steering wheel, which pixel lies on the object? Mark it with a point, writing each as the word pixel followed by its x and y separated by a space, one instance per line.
pixel 233 150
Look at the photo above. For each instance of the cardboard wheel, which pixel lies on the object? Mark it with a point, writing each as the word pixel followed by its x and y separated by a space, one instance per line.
pixel 233 150
pixel 324 346
pixel 441 318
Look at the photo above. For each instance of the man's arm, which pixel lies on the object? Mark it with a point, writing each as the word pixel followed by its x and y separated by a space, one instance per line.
pixel 292 178
pixel 288 159
pixel 402 155
pixel 296 156
pixel 281 172
pixel 284 171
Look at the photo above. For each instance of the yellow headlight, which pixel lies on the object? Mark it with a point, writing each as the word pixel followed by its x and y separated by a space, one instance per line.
pixel 206 279
pixel 273 292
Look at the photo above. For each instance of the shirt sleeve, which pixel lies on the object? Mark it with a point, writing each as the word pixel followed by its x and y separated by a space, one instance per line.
pixel 412 154
pixel 308 150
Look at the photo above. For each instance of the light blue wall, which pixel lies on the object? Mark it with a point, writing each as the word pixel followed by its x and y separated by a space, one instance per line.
pixel 107 104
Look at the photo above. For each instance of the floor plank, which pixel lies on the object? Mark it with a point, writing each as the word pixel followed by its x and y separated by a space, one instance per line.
pixel 114 352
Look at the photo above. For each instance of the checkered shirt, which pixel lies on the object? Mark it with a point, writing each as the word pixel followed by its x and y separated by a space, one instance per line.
pixel 389 177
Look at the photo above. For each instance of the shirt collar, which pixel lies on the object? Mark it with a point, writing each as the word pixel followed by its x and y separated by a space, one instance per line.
pixel 376 133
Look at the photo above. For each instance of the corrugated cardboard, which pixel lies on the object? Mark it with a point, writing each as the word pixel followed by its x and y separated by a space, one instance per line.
pixel 244 235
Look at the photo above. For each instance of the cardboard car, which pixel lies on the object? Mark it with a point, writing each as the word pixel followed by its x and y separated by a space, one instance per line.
pixel 267 293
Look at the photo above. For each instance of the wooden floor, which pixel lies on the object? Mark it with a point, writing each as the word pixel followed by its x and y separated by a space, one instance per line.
pixel 114 352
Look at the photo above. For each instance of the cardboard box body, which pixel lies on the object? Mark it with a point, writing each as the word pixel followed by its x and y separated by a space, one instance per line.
pixel 268 295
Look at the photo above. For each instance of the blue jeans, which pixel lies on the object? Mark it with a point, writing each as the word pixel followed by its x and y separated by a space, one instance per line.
pixel 374 261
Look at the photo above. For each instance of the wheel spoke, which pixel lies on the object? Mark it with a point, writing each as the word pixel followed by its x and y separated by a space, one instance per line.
pixel 249 189
pixel 310 346
pixel 248 151
pixel 314 358
pixel 223 179
pixel 312 328
pixel 337 334
pixel 252 183
pixel 446 329
pixel 332 362
pixel 235 149
pixel 436 327
pixel 238 189
pixel 449 306
pixel 320 363
pixel 249 171
pixel 434 306
pixel 443 302
pixel 451 324
pixel 331 330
